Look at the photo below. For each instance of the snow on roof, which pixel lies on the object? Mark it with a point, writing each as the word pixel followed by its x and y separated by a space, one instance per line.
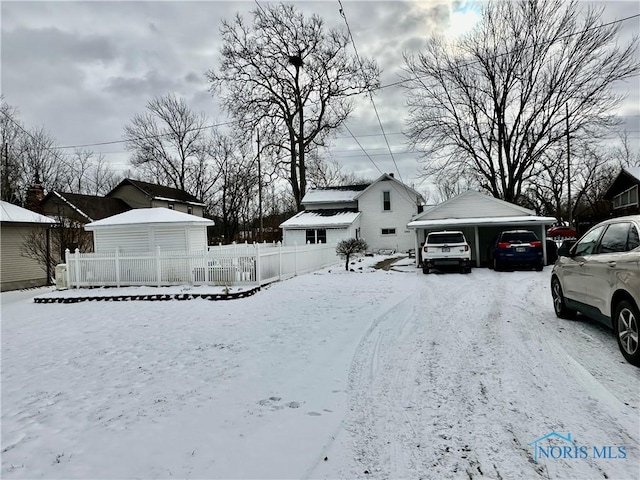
pixel 459 222
pixel 330 195
pixel 633 171
pixel 147 216
pixel 13 213
pixel 318 219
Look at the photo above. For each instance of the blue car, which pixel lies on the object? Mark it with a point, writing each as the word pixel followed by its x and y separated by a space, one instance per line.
pixel 516 248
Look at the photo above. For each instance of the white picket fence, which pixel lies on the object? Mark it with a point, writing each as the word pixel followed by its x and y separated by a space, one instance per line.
pixel 226 265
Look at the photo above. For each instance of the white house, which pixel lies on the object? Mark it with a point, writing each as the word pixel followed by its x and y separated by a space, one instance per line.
pixel 480 217
pixel 145 229
pixel 377 212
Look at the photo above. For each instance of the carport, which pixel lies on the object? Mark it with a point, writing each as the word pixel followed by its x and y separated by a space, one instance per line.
pixel 480 217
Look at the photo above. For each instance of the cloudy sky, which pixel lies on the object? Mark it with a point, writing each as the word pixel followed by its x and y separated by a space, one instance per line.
pixel 82 70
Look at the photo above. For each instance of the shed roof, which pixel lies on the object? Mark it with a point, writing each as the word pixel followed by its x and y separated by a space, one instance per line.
pixel 15 214
pixel 321 218
pixel 149 216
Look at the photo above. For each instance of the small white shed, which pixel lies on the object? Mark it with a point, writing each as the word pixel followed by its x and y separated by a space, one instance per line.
pixel 145 229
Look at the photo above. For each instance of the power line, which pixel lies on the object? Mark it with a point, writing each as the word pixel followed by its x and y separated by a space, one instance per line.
pixel 375 109
pixel 114 142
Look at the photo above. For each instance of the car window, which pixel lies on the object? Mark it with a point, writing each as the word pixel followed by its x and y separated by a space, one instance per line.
pixel 445 238
pixel 615 238
pixel 634 238
pixel 519 237
pixel 587 245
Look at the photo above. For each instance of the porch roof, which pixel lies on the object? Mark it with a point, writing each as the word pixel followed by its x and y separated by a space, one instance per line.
pixel 482 221
pixel 319 218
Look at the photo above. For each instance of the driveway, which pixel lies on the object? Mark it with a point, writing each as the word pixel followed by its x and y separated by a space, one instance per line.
pixel 363 374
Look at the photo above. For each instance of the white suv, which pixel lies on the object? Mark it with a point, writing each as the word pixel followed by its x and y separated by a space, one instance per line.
pixel 600 278
pixel 446 249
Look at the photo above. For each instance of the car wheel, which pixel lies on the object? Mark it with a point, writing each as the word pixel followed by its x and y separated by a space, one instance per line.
pixel 425 270
pixel 496 265
pixel 625 324
pixel 559 305
pixel 539 267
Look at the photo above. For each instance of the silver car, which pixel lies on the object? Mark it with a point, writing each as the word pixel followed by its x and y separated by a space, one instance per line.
pixel 599 276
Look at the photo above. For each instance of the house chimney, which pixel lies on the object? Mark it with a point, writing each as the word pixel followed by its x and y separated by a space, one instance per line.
pixel 392 175
pixel 35 194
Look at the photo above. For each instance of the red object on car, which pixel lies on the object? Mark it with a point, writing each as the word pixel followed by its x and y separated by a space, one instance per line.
pixel 562 232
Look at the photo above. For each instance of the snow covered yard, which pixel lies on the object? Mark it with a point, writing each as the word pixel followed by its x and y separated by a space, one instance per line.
pixel 366 374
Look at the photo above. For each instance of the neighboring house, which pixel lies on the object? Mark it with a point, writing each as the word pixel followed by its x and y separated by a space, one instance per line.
pixel 76 210
pixel 139 194
pixel 480 217
pixel 81 208
pixel 17 225
pixel 73 211
pixel 377 212
pixel 624 192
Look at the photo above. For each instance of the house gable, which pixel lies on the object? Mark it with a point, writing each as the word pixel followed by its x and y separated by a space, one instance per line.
pixel 140 194
pixel 472 204
pixel 624 192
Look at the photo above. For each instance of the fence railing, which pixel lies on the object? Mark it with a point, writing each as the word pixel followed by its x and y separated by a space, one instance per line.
pixel 227 265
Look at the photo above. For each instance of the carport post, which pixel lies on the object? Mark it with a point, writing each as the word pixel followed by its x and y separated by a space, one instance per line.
pixel 417 247
pixel 477 242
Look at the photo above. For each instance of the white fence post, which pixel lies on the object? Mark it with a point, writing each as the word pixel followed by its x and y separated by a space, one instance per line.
pixel 118 267
pixel 295 259
pixel 279 260
pixel 158 265
pixel 68 272
pixel 258 265
pixel 77 267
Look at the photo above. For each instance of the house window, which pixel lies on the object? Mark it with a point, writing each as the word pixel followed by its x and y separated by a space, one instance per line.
pixel 627 198
pixel 316 236
pixel 386 201
pixel 190 210
pixel 172 206
pixel 388 231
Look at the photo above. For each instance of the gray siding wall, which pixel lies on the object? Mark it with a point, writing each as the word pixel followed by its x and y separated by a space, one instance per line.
pixel 16 270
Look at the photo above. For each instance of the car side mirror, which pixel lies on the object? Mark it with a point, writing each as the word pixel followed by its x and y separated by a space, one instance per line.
pixel 565 249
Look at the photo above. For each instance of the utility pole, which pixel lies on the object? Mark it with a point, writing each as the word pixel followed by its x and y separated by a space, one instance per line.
pixel 261 231
pixel 568 167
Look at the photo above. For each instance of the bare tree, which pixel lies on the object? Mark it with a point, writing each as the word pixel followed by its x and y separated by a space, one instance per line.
pixel 532 72
pixel 236 187
pixel 170 145
pixel 89 174
pixel 327 173
pixel 11 134
pixel 349 248
pixel 28 156
pixel 290 71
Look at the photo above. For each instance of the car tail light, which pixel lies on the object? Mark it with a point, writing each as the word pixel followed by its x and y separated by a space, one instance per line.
pixel 504 245
pixel 466 247
pixel 536 244
pixel 425 249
